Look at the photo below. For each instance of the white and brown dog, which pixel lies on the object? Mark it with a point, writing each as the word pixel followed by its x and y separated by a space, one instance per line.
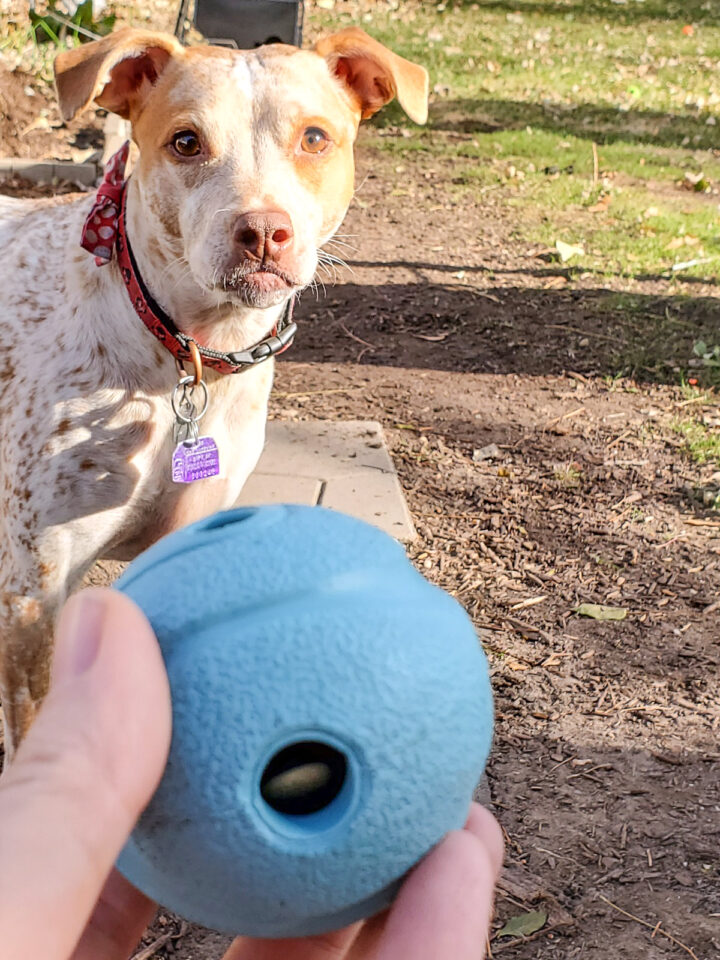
pixel 245 170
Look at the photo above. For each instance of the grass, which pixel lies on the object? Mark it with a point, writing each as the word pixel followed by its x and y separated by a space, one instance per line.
pixel 702 441
pixel 19 47
pixel 522 90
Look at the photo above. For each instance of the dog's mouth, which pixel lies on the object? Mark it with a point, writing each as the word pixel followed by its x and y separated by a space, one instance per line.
pixel 259 284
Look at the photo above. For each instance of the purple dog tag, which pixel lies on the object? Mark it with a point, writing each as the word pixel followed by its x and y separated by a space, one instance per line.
pixel 196 461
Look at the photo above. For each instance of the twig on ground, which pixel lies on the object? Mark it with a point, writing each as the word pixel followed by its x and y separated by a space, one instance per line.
pixel 666 543
pixel 349 333
pixel 654 927
pixel 565 416
pixel 703 398
pixel 148 952
pixel 619 439
pixel 596 163
pixel 523 627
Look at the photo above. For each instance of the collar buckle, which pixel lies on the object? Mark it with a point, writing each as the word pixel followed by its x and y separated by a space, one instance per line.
pixel 269 347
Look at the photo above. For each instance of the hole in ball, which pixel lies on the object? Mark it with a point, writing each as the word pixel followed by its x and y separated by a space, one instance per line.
pixel 303 778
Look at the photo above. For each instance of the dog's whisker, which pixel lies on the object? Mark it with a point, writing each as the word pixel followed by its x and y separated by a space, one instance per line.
pixel 342 243
pixel 319 281
pixel 326 257
pixel 327 260
pixel 360 186
pixel 218 212
pixel 171 266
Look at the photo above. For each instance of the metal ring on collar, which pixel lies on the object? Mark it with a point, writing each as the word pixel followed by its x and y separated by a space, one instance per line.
pixel 196 361
pixel 183 384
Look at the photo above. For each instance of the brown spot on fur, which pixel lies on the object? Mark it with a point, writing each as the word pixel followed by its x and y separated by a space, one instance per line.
pixel 63 426
pixel 27 610
pixel 45 569
pixel 87 464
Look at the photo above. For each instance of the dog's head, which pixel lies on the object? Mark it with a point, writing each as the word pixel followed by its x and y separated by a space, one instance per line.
pixel 245 157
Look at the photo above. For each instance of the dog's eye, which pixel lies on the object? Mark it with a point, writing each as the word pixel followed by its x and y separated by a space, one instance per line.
pixel 315 140
pixel 186 143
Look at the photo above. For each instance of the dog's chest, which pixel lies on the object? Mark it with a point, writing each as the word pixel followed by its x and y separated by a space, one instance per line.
pixel 234 422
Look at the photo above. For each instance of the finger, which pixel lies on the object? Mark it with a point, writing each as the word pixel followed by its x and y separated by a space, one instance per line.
pixel 327 946
pixel 367 941
pixel 118 921
pixel 445 906
pixel 83 774
pixel 482 824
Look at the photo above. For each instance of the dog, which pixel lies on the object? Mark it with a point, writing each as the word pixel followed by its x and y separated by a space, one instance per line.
pixel 176 301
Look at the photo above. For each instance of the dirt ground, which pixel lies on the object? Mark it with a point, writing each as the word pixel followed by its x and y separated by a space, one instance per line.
pixel 538 480
pixel 31 126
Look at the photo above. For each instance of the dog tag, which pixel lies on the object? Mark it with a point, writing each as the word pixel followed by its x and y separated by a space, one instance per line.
pixel 195 460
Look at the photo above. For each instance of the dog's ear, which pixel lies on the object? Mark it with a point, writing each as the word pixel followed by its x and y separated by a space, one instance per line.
pixel 117 72
pixel 374 75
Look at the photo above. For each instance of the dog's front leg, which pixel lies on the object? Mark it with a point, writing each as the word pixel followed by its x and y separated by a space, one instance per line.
pixel 26 629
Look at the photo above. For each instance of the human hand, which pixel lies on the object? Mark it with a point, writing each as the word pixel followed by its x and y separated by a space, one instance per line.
pixel 88 767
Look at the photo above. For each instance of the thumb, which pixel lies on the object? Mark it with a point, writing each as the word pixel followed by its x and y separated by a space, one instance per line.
pixel 83 774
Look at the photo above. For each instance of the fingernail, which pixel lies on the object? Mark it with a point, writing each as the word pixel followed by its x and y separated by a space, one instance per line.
pixel 78 635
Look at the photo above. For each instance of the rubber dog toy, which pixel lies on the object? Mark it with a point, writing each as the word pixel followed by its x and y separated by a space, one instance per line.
pixel 331 716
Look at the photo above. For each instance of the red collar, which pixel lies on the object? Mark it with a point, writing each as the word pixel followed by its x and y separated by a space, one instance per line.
pixel 105 228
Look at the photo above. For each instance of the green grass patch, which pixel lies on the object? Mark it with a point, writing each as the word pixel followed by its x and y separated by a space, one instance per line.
pixel 702 441
pixel 522 90
pixel 655 338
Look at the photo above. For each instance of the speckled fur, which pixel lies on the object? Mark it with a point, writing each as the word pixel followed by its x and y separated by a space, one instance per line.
pixel 86 418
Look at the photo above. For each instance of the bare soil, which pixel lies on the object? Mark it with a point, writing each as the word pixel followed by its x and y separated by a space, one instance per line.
pixel 31 126
pixel 457 335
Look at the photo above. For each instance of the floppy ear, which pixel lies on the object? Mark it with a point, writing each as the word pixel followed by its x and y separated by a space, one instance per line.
pixel 117 72
pixel 374 75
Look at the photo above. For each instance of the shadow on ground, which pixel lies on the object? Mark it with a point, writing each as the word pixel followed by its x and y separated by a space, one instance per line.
pixel 688 11
pixel 604 124
pixel 508 329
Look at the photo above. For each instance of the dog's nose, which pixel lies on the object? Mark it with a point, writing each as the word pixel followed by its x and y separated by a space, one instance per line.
pixel 263 234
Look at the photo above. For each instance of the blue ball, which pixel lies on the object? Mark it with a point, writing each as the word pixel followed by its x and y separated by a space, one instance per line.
pixel 332 714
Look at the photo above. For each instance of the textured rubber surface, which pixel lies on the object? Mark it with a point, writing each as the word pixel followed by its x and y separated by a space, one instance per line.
pixel 291 624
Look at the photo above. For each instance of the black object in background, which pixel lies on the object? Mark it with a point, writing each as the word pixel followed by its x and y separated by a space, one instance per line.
pixel 244 23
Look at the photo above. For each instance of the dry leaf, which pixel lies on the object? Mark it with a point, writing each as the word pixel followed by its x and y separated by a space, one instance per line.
pixel 598 611
pixel 39 123
pixel 432 338
pixel 601 206
pixel 489 452
pixel 687 241
pixel 81 156
pixel 524 924
pixel 569 250
pixel 512 664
